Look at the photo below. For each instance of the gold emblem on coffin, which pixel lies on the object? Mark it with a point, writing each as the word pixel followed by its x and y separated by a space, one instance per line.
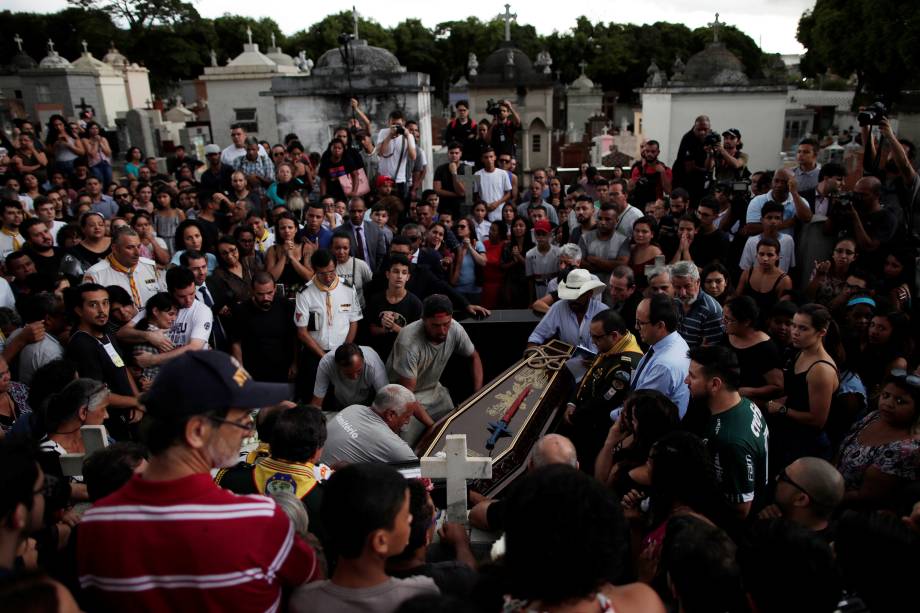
pixel 527 376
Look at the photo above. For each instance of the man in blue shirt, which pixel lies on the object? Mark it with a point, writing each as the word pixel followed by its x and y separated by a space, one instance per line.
pixel 313 230
pixel 569 320
pixel 665 365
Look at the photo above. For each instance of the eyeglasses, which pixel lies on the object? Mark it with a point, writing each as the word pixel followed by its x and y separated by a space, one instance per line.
pixel 729 320
pixel 414 238
pixel 597 336
pixel 249 426
pixel 784 476
pixel 640 323
pixel 845 251
pixel 504 161
pixel 909 378
pixel 226 252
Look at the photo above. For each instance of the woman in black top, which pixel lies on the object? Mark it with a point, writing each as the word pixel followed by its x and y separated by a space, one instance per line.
pixel 810 379
pixel 516 291
pixel 758 358
pixel 765 282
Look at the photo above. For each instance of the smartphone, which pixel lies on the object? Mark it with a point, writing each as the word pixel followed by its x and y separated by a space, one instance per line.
pixel 279 288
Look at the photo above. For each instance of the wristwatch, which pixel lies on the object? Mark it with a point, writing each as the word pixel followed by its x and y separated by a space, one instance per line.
pixel 783 409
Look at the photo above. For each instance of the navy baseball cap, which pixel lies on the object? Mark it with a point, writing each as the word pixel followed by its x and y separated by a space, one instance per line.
pixel 197 382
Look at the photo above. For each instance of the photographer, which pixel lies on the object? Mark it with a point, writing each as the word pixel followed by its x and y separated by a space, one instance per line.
pixel 730 161
pixel 396 148
pixel 462 129
pixel 906 183
pixel 506 123
pixel 650 179
pixel 694 163
pixel 860 215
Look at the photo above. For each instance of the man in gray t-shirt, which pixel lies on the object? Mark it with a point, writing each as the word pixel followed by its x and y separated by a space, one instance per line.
pixel 355 374
pixel 421 352
pixel 370 434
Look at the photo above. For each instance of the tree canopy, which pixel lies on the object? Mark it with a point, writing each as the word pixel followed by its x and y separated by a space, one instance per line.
pixel 171 39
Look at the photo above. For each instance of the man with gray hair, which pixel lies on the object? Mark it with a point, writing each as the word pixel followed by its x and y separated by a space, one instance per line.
pixel 258 167
pixel 371 434
pixel 126 268
pixel 808 491
pixel 659 282
pixel 700 314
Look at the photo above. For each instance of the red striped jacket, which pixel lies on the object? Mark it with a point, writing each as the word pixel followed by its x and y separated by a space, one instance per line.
pixel 189 545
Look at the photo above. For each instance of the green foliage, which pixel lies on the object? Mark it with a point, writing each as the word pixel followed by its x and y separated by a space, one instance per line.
pixel 877 41
pixel 174 42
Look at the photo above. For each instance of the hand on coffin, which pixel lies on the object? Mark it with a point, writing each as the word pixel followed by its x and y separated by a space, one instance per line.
pixel 477 311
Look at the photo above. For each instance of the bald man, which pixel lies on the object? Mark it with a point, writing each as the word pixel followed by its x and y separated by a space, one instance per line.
pixel 550 449
pixel 807 493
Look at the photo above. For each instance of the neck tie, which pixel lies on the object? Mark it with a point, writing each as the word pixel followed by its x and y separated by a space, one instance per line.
pixel 359 242
pixel 645 360
pixel 135 293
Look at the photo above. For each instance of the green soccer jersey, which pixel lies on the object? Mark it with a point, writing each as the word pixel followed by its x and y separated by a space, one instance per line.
pixel 737 443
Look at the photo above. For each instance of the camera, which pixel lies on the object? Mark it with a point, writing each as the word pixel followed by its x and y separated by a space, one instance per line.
pixel 844 201
pixel 344 39
pixel 713 138
pixel 400 130
pixel 873 115
pixel 493 107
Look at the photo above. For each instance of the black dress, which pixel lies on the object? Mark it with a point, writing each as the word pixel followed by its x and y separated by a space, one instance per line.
pixel 790 440
pixel 765 300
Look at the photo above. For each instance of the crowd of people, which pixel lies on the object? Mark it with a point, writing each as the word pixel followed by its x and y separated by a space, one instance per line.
pixel 263 335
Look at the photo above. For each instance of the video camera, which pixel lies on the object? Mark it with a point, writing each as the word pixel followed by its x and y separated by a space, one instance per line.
pixel 493 107
pixel 711 139
pixel 872 115
pixel 344 39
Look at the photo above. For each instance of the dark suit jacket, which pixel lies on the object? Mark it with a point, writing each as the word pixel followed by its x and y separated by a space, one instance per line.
pixel 376 241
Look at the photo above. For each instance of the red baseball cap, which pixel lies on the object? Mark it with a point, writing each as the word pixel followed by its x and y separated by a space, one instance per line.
pixel 542 226
pixel 382 180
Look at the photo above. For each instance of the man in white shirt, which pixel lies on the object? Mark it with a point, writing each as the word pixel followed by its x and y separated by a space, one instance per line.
pixel 126 268
pixel 10 238
pixel 237 148
pixel 190 332
pixel 397 153
pixel 326 314
pixel 44 210
pixel 494 186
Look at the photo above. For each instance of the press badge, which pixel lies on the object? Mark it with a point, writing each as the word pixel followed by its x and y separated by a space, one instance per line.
pixel 113 355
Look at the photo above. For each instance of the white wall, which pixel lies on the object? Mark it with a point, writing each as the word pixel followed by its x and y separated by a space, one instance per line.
pixel 226 95
pixel 759 115
pixel 114 99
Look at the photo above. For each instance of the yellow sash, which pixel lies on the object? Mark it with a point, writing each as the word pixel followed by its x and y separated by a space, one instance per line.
pixel 14 234
pixel 117 267
pixel 271 475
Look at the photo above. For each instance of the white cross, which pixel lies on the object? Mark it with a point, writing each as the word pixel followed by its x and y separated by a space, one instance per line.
pixel 354 18
pixel 508 16
pixel 85 46
pixel 249 34
pixel 656 265
pixel 582 64
pixel 456 467
pixel 50 46
pixel 94 439
pixel 18 40
pixel 715 29
pixel 273 39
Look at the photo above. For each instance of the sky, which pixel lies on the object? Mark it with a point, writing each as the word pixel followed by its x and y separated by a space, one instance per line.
pixel 771 23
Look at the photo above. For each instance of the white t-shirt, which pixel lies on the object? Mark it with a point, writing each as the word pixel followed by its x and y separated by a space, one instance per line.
pixel 193 323
pixel 311 309
pixel 357 434
pixel 786 252
pixel 491 187
pixel 388 163
pixel 357 274
pixel 543 266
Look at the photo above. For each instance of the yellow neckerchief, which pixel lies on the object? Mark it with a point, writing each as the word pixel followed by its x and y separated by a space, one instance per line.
pixel 259 452
pixel 261 239
pixel 271 475
pixel 626 344
pixel 13 234
pixel 117 267
pixel 328 290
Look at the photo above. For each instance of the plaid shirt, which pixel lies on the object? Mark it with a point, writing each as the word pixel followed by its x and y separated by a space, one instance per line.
pixel 261 167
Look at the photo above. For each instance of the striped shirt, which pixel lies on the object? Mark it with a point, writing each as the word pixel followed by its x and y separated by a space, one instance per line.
pixel 702 324
pixel 188 545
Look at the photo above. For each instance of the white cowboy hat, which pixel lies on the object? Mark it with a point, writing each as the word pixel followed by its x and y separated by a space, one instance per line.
pixel 577 283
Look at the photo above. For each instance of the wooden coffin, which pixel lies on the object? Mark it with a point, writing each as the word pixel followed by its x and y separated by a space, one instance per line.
pixel 538 414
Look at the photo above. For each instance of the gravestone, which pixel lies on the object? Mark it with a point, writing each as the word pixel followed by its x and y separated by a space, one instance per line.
pixel 139 132
pixel 94 439
pixel 456 467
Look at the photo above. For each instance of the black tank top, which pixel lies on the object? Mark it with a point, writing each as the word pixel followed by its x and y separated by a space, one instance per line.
pixel 764 300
